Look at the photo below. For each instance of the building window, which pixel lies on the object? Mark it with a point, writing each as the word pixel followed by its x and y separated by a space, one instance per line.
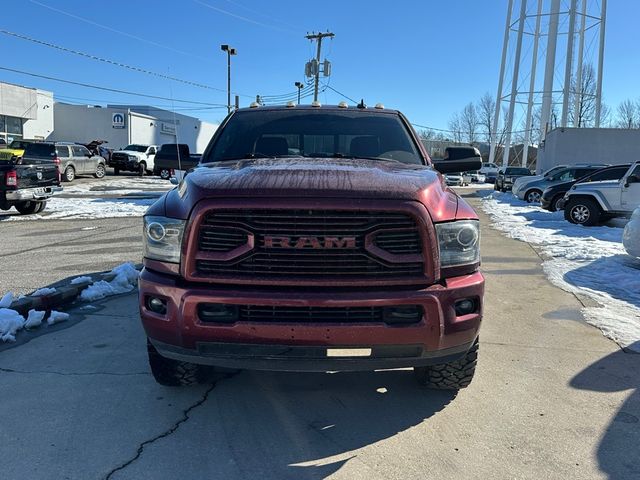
pixel 10 128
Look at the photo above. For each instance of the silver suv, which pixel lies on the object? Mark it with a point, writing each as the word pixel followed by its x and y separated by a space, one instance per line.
pixel 72 159
pixel 592 202
pixel 531 189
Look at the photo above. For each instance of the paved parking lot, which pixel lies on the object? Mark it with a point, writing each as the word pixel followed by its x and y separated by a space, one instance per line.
pixel 552 399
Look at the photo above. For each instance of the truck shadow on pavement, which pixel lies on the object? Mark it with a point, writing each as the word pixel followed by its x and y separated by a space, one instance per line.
pixel 619 448
pixel 309 425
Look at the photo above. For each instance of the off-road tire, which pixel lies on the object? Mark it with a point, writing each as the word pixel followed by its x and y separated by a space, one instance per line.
pixel 69 174
pixel 116 171
pixel 28 208
pixel 173 373
pixel 101 171
pixel 533 196
pixel 41 206
pixel 142 169
pixel 583 211
pixel 450 376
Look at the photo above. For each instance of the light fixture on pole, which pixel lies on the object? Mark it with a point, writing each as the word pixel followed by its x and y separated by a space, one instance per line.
pixel 299 86
pixel 230 51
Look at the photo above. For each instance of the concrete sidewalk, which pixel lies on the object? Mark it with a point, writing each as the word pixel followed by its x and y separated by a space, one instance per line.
pixel 552 399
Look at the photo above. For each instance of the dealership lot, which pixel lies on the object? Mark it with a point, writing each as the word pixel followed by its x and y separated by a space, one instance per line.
pixel 552 398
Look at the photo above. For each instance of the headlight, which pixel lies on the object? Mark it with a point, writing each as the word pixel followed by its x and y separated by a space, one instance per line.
pixel 163 238
pixel 459 243
pixel 133 158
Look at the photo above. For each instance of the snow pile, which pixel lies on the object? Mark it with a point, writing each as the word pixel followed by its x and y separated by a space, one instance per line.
pixel 124 281
pixel 585 260
pixel 11 321
pixel 631 236
pixel 82 279
pixel 41 292
pixel 5 301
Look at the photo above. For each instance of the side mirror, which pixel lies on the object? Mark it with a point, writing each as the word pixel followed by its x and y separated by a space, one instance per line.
pixel 459 159
pixel 631 179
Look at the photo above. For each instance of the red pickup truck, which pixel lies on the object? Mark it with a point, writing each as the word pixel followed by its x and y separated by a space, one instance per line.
pixel 314 238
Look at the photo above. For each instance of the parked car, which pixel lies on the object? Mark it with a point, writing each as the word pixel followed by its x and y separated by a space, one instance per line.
pixel 349 255
pixel 631 235
pixel 552 198
pixel 134 158
pixel 531 190
pixel 28 183
pixel 490 177
pixel 475 176
pixel 72 159
pixel 14 151
pixel 488 168
pixel 592 202
pixel 523 180
pixel 172 157
pixel 506 177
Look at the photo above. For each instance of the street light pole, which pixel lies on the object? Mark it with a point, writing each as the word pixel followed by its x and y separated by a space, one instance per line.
pixel 230 51
pixel 299 86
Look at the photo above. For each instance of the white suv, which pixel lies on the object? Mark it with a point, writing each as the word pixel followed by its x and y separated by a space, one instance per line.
pixel 590 203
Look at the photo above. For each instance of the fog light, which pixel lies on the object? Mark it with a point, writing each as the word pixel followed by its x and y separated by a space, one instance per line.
pixel 157 305
pixel 465 307
pixel 218 312
pixel 402 314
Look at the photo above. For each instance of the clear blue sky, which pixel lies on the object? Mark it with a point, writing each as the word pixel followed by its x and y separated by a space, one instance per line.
pixel 426 58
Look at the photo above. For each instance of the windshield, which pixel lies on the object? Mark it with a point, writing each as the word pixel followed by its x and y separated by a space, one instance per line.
pixel 314 134
pixel 518 171
pixel 136 148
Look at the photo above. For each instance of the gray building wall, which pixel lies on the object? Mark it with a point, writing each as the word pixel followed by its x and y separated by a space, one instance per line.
pixel 588 145
pixel 142 125
pixel 34 107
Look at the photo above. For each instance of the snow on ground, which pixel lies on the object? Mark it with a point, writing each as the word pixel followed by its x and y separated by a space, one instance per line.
pixel 11 321
pixel 589 261
pixel 631 236
pixel 118 186
pixel 43 291
pixel 126 277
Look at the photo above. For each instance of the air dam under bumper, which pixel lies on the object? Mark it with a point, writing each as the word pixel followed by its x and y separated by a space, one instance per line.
pixel 440 336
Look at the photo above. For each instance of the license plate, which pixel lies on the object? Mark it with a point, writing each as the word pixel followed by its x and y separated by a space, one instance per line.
pixel 348 352
pixel 40 191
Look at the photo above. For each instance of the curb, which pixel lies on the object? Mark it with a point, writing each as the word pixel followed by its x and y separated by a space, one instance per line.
pixel 64 295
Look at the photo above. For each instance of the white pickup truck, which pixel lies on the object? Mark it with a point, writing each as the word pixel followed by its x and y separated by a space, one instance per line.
pixel 134 158
pixel 590 203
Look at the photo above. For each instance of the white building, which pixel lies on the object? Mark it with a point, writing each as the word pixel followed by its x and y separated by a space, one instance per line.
pixel 25 113
pixel 566 146
pixel 121 125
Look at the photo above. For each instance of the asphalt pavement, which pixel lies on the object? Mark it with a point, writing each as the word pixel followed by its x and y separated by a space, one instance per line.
pixel 552 399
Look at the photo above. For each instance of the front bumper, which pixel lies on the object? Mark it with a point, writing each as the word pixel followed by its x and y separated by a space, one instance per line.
pixel 27 194
pixel 440 335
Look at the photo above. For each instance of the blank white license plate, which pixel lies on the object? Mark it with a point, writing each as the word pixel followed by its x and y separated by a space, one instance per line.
pixel 40 191
pixel 348 352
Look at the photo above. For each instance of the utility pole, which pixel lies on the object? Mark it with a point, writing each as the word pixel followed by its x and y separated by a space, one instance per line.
pixel 230 51
pixel 316 70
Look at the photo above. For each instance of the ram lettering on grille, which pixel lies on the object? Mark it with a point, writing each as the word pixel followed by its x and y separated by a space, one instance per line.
pixel 272 241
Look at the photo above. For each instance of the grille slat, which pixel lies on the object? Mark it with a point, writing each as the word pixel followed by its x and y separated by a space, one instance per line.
pixel 224 230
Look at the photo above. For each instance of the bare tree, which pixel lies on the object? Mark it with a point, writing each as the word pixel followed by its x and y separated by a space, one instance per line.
pixel 486 110
pixel 427 134
pixel 628 115
pixel 469 122
pixel 456 128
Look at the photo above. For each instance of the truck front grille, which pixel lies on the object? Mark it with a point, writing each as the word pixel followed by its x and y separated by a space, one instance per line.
pixel 308 243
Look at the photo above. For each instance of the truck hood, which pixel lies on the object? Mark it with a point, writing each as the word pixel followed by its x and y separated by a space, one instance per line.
pixel 318 178
pixel 131 152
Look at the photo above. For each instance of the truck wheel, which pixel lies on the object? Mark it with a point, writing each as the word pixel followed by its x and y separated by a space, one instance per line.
pixel 173 373
pixel 69 174
pixel 165 174
pixel 555 203
pixel 495 186
pixel 100 171
pixel 116 171
pixel 28 208
pixel 582 211
pixel 41 206
pixel 142 168
pixel 533 196
pixel 449 376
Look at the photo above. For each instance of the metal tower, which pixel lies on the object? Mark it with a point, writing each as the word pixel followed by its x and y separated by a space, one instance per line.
pixel 546 33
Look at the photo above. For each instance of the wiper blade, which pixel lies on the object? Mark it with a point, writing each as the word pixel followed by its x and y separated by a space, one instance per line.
pixel 250 156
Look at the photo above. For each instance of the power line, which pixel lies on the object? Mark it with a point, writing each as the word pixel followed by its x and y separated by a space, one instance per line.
pixel 112 62
pixel 107 89
pixel 111 29
pixel 341 94
pixel 244 7
pixel 240 17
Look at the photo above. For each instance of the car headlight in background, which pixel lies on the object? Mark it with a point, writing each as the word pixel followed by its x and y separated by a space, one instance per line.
pixel 459 243
pixel 163 238
pixel 132 158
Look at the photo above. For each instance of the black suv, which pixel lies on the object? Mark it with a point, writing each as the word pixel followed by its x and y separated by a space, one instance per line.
pixel 506 177
pixel 552 198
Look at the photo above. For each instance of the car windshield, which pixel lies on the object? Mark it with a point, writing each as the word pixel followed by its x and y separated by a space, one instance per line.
pixel 314 134
pixel 518 171
pixel 136 148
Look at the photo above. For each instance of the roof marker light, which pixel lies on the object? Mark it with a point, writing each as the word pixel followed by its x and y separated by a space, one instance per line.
pixel 379 106
pixel 343 105
pixel 316 103
pixel 254 105
pixel 291 104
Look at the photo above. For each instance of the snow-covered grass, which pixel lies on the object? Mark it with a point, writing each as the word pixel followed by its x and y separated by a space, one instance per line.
pixel 589 261
pixel 631 236
pixel 124 281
